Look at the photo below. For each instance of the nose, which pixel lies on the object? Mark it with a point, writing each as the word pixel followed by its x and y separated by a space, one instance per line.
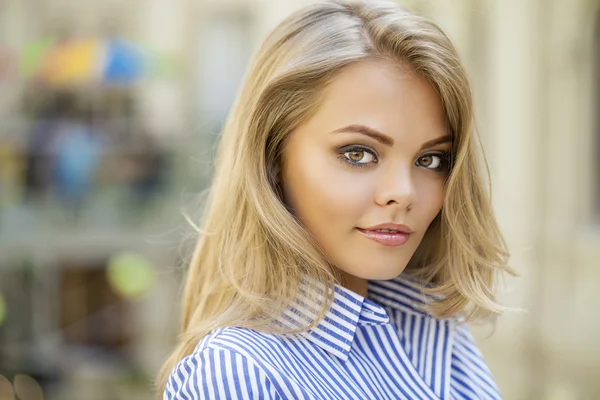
pixel 396 187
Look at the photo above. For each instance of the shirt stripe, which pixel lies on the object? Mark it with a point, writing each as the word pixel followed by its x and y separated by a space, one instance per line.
pixel 384 346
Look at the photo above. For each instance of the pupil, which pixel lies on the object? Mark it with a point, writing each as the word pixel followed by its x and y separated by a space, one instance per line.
pixel 426 161
pixel 356 155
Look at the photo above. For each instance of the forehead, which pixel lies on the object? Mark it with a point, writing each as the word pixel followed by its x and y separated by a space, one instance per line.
pixel 384 96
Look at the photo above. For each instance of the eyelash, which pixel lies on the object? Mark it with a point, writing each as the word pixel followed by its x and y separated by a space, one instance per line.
pixel 445 157
pixel 445 161
pixel 348 149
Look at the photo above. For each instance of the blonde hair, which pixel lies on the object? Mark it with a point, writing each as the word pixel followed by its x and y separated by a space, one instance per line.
pixel 252 253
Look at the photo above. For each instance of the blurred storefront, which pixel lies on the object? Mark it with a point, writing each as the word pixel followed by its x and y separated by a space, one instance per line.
pixel 109 112
pixel 95 161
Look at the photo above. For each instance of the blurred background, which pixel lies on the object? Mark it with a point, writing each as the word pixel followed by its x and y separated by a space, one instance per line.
pixel 109 112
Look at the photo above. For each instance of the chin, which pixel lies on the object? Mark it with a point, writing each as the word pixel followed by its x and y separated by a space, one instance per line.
pixel 382 274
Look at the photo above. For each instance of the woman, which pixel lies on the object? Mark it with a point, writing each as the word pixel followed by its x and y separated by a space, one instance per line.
pixel 347 236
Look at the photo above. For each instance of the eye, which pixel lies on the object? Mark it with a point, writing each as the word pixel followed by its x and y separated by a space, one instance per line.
pixel 359 155
pixel 436 162
pixel 430 161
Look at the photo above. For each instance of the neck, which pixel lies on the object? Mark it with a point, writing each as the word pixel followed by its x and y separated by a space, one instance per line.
pixel 356 284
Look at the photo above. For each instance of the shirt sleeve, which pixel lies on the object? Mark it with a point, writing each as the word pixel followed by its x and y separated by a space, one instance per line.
pixel 214 373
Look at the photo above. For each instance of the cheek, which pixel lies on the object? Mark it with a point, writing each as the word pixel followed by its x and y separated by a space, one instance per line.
pixel 321 192
pixel 431 193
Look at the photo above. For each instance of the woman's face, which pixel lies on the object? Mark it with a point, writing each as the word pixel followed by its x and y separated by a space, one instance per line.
pixel 365 174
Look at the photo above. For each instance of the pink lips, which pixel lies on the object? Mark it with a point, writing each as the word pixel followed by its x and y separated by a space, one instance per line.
pixel 388 234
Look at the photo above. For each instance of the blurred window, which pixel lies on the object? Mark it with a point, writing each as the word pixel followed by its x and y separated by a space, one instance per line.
pixel 224 53
pixel 91 313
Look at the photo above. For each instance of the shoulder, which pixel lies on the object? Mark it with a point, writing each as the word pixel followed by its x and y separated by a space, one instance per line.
pixel 466 350
pixel 470 371
pixel 463 339
pixel 224 365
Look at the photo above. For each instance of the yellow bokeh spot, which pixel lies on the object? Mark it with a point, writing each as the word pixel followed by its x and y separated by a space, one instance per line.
pixel 2 309
pixel 28 388
pixel 73 62
pixel 6 389
pixel 130 274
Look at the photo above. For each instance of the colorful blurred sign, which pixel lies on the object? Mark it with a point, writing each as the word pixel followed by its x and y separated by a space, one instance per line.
pixel 70 63
pixel 123 62
pixel 85 61
pixel 51 61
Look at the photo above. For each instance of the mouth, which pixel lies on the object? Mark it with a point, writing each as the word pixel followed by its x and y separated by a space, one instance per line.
pixel 387 237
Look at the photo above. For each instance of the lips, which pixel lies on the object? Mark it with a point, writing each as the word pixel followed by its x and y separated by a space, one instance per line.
pixel 387 234
pixel 386 238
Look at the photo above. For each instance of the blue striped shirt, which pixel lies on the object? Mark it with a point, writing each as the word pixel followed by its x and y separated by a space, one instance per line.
pixel 384 346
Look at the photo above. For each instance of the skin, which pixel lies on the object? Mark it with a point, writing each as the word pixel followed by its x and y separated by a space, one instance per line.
pixel 338 179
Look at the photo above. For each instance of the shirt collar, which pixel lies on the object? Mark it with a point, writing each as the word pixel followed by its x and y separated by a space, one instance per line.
pixel 349 310
pixel 403 293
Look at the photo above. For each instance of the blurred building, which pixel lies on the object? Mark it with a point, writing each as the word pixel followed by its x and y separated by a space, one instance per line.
pixel 71 244
pixel 95 115
pixel 535 71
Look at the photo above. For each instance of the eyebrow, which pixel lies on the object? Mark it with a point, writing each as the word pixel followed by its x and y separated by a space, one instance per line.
pixel 435 142
pixel 386 140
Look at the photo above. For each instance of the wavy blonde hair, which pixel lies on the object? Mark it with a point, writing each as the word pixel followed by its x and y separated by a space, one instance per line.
pixel 252 253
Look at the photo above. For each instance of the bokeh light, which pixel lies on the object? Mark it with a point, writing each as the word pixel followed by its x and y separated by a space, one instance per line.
pixel 2 309
pixel 130 274
pixel 6 389
pixel 28 388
